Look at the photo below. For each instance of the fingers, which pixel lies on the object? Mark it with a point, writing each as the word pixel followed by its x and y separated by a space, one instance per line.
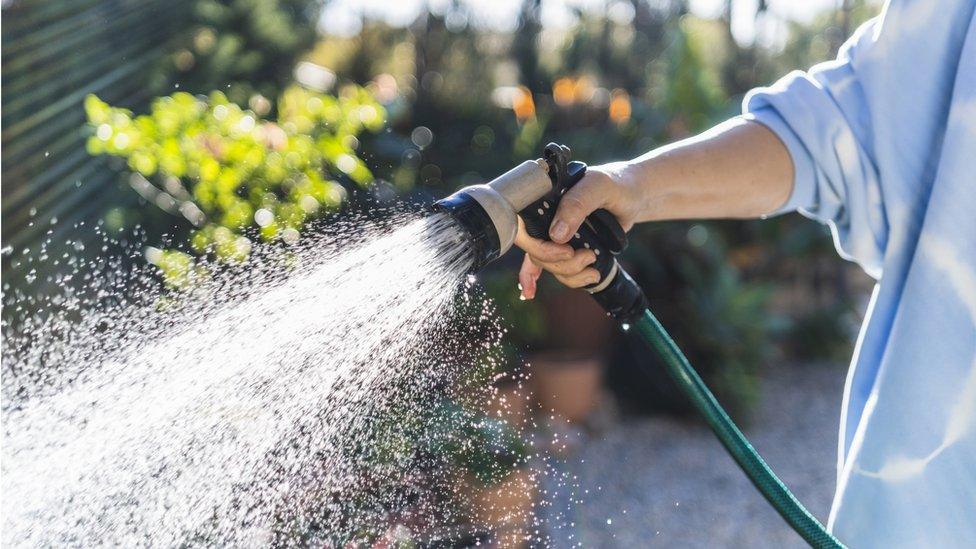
pixel 528 277
pixel 581 259
pixel 573 272
pixel 578 202
pixel 542 250
pixel 571 267
pixel 583 278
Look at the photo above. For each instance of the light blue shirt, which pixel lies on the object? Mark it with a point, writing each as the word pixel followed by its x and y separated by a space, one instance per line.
pixel 883 142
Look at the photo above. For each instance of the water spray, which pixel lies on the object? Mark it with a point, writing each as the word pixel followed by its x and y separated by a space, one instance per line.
pixel 489 214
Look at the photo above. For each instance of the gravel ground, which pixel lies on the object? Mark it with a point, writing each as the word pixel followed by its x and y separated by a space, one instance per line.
pixel 669 483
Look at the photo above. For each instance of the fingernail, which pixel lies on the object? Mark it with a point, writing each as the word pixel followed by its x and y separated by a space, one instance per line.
pixel 593 279
pixel 559 230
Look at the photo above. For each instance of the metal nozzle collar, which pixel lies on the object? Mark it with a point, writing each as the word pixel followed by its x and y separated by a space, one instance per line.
pixel 510 193
pixel 489 212
pixel 500 211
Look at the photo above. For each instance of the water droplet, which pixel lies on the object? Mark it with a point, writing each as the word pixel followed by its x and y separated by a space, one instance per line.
pixel 263 217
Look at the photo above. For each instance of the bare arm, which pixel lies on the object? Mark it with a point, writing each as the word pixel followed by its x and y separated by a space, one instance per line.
pixel 738 169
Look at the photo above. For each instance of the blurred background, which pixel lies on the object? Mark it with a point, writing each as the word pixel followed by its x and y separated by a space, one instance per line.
pixel 304 110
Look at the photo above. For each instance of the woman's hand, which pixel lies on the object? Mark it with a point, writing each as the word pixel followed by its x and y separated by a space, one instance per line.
pixel 607 187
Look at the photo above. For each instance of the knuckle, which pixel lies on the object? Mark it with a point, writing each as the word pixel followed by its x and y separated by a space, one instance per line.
pixel 550 253
pixel 585 258
pixel 573 205
pixel 561 268
pixel 568 281
pixel 593 184
pixel 532 246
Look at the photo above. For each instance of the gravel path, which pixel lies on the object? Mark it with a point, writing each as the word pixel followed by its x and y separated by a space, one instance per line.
pixel 669 483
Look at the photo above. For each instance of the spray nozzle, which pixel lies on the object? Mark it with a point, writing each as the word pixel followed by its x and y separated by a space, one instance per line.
pixel 489 215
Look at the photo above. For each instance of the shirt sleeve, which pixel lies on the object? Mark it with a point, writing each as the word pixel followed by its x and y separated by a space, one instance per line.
pixel 823 117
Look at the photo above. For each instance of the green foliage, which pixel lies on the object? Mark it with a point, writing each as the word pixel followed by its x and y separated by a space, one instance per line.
pixel 692 97
pixel 488 448
pixel 818 39
pixel 735 343
pixel 236 174
pixel 531 322
pixel 718 314
pixel 242 47
pixel 178 269
pixel 823 333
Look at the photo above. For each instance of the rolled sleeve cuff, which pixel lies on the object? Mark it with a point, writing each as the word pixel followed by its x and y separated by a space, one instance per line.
pixel 757 107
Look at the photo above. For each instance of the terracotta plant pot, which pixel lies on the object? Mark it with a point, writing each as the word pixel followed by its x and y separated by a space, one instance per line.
pixel 575 322
pixel 511 401
pixel 567 384
pixel 506 508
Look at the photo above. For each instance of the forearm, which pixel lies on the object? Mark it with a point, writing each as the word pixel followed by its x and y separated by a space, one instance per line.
pixel 738 169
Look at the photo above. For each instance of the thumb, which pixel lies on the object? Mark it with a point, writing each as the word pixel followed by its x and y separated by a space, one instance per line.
pixel 575 205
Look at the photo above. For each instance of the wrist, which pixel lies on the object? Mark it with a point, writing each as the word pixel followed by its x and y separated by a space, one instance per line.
pixel 621 192
pixel 643 188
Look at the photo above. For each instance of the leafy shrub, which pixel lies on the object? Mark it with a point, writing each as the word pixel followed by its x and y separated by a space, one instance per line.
pixel 719 316
pixel 242 47
pixel 234 175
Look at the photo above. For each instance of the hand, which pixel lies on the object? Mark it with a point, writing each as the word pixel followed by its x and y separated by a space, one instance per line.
pixel 739 169
pixel 607 187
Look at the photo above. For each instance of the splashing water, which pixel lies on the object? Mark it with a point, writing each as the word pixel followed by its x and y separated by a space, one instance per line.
pixel 243 405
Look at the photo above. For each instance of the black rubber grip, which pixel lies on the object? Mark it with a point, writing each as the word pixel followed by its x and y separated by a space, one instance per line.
pixel 620 296
pixel 609 230
pixel 538 215
pixel 600 231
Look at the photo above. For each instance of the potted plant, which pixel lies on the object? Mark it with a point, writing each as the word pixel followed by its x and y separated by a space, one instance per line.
pixel 563 335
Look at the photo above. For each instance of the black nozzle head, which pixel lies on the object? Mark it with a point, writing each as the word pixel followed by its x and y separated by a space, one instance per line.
pixel 477 225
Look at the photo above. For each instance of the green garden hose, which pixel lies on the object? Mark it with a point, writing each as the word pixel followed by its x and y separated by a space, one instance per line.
pixel 772 488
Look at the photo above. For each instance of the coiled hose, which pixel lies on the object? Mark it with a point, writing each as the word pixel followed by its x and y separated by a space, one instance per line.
pixel 772 488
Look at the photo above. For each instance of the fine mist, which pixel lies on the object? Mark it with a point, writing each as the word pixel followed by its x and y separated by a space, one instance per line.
pixel 229 414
